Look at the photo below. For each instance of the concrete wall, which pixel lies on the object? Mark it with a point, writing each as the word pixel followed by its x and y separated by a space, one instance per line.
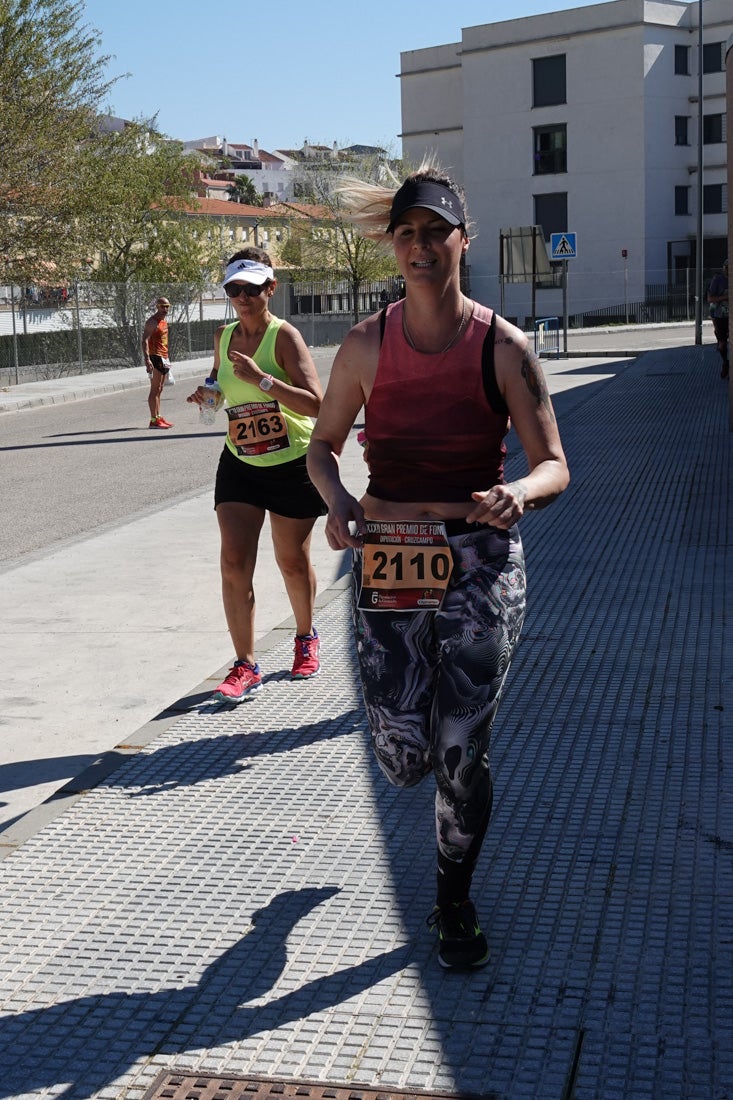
pixel 433 106
pixel 606 137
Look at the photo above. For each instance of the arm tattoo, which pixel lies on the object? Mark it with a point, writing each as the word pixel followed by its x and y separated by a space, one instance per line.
pixel 520 492
pixel 535 380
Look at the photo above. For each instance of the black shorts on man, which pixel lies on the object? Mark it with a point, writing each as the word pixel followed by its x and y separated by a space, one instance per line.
pixel 160 364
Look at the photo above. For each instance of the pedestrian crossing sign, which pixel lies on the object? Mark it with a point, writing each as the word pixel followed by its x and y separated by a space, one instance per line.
pixel 563 246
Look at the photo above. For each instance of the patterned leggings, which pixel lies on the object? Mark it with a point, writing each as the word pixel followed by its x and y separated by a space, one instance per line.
pixel 432 682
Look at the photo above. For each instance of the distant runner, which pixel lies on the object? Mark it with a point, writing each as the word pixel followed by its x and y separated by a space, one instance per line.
pixel 157 362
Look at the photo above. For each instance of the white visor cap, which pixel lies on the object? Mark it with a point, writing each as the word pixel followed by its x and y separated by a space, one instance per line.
pixel 248 271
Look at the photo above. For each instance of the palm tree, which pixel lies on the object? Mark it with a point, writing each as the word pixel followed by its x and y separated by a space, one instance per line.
pixel 243 190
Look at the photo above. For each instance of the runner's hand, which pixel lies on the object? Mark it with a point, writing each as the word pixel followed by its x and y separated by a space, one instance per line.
pixel 501 506
pixel 245 368
pixel 344 511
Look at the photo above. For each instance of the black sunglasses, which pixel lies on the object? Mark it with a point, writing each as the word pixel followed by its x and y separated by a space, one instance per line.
pixel 233 290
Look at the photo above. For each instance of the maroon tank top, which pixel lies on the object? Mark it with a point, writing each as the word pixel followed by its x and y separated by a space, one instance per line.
pixel 432 431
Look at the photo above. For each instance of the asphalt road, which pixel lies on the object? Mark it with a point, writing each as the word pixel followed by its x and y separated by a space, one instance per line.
pixel 72 469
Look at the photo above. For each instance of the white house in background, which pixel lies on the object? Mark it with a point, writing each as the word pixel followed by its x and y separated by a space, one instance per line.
pixel 271 173
pixel 275 173
pixel 583 120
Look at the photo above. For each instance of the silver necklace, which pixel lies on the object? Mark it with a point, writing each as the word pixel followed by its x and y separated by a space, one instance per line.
pixel 454 338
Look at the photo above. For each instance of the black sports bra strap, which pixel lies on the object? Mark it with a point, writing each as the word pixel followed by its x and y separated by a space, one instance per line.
pixel 382 323
pixel 488 370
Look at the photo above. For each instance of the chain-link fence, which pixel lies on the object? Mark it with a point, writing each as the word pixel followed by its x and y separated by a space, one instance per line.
pixel 47 333
pixel 98 326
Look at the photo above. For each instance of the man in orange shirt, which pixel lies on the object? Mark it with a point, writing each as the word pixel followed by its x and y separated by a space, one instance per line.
pixel 157 363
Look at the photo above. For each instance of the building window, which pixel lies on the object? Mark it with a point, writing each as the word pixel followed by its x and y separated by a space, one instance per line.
pixel 714 198
pixel 712 57
pixel 548 81
pixel 550 149
pixel 713 129
pixel 551 212
pixel 682 60
pixel 680 130
pixel 682 200
pixel 681 135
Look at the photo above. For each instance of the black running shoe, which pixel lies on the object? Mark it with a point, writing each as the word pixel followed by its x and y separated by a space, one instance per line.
pixel 462 943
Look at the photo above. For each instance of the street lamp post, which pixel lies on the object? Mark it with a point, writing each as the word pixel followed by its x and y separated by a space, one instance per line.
pixel 699 238
pixel 625 257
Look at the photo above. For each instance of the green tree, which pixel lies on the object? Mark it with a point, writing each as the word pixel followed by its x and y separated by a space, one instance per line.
pixel 333 247
pixel 51 87
pixel 141 225
pixel 138 208
pixel 244 191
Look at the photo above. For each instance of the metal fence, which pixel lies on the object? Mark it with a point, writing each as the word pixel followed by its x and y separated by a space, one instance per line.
pixel 97 326
pixel 547 336
pixel 323 296
pixel 662 303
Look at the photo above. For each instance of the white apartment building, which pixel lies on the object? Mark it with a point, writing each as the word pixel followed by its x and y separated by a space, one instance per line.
pixel 584 121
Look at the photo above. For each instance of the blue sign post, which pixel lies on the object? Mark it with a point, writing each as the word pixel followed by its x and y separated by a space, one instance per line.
pixel 564 247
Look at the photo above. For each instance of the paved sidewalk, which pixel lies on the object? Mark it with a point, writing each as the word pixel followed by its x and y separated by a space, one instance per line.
pixel 246 895
pixel 77 387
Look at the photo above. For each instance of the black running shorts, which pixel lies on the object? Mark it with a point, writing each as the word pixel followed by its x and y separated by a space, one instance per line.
pixel 284 489
pixel 159 364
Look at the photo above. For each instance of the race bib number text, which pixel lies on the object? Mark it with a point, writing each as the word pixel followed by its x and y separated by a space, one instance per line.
pixel 406 566
pixel 257 428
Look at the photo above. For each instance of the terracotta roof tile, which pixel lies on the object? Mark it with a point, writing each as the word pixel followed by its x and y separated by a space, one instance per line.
pixel 225 208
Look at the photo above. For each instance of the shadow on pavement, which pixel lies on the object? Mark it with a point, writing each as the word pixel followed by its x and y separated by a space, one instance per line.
pixel 144 1024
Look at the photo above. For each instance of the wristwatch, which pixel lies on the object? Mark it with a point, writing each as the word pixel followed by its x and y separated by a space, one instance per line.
pixel 267 383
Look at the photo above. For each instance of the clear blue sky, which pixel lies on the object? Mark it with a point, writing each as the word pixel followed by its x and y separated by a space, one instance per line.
pixel 281 71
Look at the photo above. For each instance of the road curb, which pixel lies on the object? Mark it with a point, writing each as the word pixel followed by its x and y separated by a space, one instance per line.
pixel 57 393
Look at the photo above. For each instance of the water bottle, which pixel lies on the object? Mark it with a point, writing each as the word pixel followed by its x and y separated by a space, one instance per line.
pixel 212 400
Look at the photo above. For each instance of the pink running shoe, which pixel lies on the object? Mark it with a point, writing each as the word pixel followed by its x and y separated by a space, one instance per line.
pixel 306 662
pixel 243 680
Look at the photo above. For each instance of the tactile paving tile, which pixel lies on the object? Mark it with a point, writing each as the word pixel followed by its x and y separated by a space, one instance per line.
pixel 248 895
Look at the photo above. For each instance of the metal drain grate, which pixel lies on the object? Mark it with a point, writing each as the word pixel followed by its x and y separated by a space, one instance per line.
pixel 197 1086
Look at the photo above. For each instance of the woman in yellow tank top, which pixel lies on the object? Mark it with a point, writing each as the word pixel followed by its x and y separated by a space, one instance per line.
pixel 268 378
